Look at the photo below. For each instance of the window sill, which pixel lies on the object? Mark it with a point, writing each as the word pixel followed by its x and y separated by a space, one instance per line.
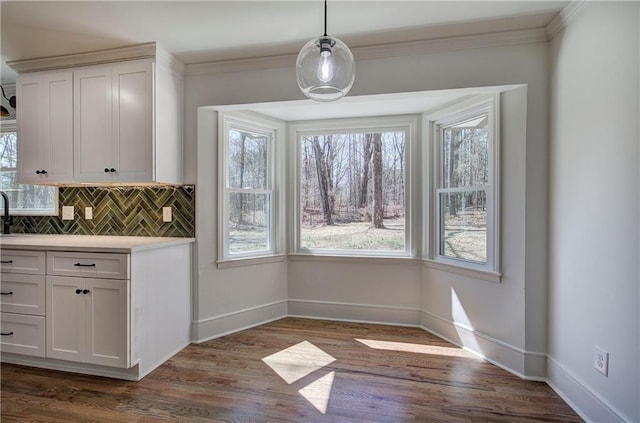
pixel 352 259
pixel 463 271
pixel 250 261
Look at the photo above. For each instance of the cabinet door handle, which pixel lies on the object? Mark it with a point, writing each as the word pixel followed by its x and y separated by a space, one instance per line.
pixel 41 172
pixel 6 334
pixel 106 170
pixel 112 170
pixel 6 261
pixel 85 265
pixel 6 293
pixel 78 291
pixel 85 291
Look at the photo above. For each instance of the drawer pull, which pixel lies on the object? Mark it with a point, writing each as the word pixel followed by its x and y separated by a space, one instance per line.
pixel 85 291
pixel 85 265
pixel 6 293
pixel 78 291
pixel 6 334
pixel 6 261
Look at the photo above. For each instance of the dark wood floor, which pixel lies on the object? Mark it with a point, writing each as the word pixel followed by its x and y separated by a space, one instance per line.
pixel 379 374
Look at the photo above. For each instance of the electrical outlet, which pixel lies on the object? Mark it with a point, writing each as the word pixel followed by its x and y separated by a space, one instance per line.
pixel 67 212
pixel 88 213
pixel 601 360
pixel 166 214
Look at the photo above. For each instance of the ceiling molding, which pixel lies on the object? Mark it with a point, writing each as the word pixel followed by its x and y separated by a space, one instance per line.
pixel 383 51
pixel 565 17
pixel 138 51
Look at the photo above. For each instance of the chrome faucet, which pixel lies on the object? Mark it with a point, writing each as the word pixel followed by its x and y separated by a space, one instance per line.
pixel 7 220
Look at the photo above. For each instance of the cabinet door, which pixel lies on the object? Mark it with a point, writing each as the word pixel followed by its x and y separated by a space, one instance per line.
pixel 45 127
pixel 66 322
pixel 107 322
pixel 132 122
pixel 57 154
pixel 92 126
pixel 29 118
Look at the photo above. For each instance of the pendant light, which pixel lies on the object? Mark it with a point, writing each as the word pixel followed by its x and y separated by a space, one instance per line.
pixel 325 68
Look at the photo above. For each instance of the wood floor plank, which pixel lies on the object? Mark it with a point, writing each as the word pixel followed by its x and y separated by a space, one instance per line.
pixel 378 374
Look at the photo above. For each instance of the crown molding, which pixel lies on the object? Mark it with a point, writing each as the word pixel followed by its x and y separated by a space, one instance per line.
pixel 382 51
pixel 565 17
pixel 138 51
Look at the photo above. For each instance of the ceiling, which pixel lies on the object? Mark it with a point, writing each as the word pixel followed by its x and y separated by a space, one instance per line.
pixel 209 31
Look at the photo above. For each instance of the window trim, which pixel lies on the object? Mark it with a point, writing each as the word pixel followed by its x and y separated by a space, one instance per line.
pixel 10 126
pixel 447 117
pixel 407 123
pixel 250 122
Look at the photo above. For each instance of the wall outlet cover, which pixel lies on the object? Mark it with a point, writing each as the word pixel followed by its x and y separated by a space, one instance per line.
pixel 67 212
pixel 88 213
pixel 601 360
pixel 166 214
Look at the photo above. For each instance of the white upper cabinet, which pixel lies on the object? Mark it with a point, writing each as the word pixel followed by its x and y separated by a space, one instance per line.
pixel 115 122
pixel 113 118
pixel 45 127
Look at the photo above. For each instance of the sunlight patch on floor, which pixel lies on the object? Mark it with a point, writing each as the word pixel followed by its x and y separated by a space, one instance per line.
pixel 297 361
pixel 318 392
pixel 416 348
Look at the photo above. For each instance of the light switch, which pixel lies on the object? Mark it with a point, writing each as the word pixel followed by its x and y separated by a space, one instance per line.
pixel 166 214
pixel 88 213
pixel 67 212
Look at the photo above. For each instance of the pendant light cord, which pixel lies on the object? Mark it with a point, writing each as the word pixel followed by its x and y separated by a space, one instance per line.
pixel 325 18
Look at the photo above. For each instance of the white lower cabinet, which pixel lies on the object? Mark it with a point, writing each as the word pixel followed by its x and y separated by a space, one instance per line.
pixel 23 334
pixel 88 320
pixel 115 314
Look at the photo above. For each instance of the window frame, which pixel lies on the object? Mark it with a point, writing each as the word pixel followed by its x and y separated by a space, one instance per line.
pixel 253 123
pixel 437 123
pixel 9 126
pixel 298 129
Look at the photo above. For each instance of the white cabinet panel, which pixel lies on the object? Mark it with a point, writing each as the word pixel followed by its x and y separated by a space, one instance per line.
pixel 88 320
pixel 22 294
pixel 92 132
pixel 22 334
pixel 94 265
pixel 65 318
pixel 133 153
pixel 45 127
pixel 22 261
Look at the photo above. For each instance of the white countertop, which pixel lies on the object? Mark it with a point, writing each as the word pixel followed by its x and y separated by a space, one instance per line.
pixel 97 243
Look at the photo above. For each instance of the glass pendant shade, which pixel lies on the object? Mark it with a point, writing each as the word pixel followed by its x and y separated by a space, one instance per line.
pixel 325 69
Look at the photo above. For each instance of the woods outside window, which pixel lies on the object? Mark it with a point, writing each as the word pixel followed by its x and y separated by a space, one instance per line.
pixel 352 184
pixel 465 204
pixel 26 200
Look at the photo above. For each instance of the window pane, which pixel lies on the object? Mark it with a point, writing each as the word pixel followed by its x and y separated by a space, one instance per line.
pixel 465 154
pixel 247 160
pixel 8 150
pixel 249 218
pixel 463 225
pixel 24 199
pixel 352 191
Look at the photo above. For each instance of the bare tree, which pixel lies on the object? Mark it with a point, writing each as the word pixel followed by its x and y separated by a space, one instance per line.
pixel 323 156
pixel 378 207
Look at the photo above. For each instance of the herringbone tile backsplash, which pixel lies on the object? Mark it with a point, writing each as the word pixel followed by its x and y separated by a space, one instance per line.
pixel 123 211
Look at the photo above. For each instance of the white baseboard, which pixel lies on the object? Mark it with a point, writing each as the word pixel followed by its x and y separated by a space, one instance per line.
pixel 588 405
pixel 524 364
pixel 350 312
pixel 217 326
pixel 69 366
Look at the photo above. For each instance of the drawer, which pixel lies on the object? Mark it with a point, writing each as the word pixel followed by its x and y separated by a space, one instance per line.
pixel 22 334
pixel 22 261
pixel 93 265
pixel 22 294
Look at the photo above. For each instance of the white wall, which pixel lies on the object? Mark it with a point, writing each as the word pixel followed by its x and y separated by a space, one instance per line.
pixel 594 211
pixel 512 321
